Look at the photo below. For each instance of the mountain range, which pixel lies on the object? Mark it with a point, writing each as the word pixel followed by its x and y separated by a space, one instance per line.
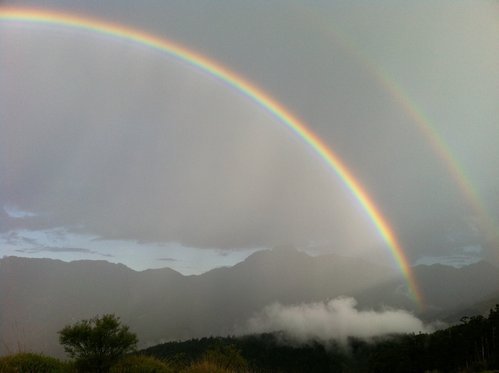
pixel 38 297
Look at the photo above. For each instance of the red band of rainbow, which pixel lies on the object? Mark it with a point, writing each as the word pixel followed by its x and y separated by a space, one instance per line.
pixel 248 89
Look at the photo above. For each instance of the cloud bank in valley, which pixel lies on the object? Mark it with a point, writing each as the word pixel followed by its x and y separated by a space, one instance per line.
pixel 336 319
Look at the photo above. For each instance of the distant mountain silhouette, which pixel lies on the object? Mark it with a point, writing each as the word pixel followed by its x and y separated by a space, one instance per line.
pixel 40 296
pixel 445 289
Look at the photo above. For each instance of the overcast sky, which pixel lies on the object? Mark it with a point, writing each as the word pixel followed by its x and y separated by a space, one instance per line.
pixel 109 150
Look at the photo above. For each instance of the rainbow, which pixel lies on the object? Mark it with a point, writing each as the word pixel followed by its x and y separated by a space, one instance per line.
pixel 444 153
pixel 251 91
pixel 487 224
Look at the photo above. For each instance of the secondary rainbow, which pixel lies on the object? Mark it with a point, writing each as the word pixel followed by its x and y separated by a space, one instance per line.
pixel 440 147
pixel 487 224
pixel 248 89
pixel 430 133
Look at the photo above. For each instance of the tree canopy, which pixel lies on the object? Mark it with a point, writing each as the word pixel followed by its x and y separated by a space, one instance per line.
pixel 97 343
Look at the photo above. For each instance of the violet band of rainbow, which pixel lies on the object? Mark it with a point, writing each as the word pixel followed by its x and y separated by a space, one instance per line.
pixel 257 95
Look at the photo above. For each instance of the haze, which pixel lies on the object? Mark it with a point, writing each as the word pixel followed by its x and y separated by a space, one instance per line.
pixel 124 160
pixel 110 149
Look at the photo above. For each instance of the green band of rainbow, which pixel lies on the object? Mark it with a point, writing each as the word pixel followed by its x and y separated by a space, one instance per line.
pixel 488 225
pixel 251 91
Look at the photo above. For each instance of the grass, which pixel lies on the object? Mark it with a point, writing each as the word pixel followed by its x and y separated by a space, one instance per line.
pixel 27 362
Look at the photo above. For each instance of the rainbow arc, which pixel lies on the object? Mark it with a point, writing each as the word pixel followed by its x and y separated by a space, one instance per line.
pixel 254 93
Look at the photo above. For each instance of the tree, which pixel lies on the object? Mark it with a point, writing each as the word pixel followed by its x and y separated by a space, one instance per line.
pixel 97 343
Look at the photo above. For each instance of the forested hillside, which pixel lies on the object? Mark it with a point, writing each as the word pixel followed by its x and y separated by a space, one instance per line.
pixel 40 296
pixel 471 346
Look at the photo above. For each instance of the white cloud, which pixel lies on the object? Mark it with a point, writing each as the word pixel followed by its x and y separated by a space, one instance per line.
pixel 336 319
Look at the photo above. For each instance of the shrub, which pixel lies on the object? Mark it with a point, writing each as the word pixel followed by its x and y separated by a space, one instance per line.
pixel 220 359
pixel 32 363
pixel 96 344
pixel 206 366
pixel 140 364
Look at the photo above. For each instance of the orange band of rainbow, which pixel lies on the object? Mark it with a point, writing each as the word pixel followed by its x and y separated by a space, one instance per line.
pixel 251 91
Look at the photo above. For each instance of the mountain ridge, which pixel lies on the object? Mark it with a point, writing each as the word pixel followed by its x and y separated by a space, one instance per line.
pixel 40 296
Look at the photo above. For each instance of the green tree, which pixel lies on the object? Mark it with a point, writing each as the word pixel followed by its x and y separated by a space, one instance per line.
pixel 97 343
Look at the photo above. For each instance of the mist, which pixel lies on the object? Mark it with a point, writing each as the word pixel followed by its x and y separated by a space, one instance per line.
pixel 138 181
pixel 118 142
pixel 336 319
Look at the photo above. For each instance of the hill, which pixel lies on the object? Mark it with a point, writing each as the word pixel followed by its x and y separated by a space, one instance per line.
pixel 471 346
pixel 40 296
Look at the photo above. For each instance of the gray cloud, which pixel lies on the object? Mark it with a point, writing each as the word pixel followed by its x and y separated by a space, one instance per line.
pixel 14 212
pixel 208 168
pixel 167 259
pixel 126 143
pixel 336 319
pixel 14 238
pixel 48 249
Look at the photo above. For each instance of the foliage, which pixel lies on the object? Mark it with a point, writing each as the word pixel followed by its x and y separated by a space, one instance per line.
pixel 471 346
pixel 206 366
pixel 140 364
pixel 217 357
pixel 226 357
pixel 259 353
pixel 31 363
pixel 98 343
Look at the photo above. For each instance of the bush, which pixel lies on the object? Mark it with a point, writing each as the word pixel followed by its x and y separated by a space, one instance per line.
pixel 220 359
pixel 206 366
pixel 140 364
pixel 32 363
pixel 98 343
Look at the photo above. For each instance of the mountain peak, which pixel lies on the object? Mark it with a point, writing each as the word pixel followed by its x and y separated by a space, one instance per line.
pixel 280 253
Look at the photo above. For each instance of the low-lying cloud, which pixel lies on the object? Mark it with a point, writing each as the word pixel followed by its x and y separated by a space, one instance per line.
pixel 336 319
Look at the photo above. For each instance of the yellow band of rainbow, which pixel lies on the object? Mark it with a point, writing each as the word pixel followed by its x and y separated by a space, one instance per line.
pixel 251 91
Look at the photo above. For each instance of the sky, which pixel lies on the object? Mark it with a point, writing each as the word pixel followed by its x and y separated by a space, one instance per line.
pixel 110 150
